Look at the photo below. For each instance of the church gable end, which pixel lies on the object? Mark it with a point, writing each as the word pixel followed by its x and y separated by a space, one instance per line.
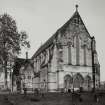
pixel 76 41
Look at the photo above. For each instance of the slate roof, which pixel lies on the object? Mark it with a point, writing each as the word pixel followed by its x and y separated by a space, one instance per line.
pixel 54 36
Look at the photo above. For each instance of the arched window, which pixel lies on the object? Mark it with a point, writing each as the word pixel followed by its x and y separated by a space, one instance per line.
pixel 77 50
pixel 69 53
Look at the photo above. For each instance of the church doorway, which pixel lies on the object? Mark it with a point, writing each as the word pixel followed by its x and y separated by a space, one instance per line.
pixel 67 82
pixel 78 81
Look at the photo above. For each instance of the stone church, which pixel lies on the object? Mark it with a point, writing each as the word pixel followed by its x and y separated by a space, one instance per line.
pixel 64 61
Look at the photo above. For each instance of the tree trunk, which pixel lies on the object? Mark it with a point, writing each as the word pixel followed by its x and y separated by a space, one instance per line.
pixel 5 71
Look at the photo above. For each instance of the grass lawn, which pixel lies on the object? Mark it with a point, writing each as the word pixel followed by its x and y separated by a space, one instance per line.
pixel 52 99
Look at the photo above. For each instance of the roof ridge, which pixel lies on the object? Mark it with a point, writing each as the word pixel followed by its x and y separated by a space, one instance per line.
pixel 50 40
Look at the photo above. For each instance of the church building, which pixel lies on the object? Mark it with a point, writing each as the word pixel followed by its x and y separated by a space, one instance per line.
pixel 65 60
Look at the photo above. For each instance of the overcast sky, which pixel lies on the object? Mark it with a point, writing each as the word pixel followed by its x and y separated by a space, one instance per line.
pixel 41 18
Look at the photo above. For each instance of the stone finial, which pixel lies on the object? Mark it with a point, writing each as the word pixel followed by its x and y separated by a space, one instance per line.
pixel 76 7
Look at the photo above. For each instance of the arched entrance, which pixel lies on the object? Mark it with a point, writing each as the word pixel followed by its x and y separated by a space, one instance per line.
pixel 78 80
pixel 67 82
pixel 88 81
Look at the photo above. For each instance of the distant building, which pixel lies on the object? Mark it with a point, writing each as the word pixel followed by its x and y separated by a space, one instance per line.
pixel 64 61
pixel 9 75
pixel 16 78
pixel 27 75
pixel 23 74
pixel 2 80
